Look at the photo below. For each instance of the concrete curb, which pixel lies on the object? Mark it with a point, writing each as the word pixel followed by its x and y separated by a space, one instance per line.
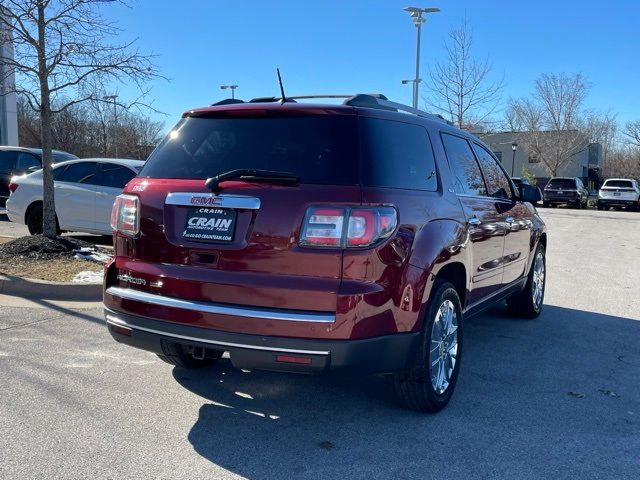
pixel 31 288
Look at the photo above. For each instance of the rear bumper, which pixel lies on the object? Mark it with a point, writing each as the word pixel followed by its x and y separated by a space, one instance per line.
pixel 372 355
pixel 619 202
pixel 551 198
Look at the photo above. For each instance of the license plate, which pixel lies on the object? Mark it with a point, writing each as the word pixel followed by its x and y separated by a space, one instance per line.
pixel 215 224
pixel 560 192
pixel 616 194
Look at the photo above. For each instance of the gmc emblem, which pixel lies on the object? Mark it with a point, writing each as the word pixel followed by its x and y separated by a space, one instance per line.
pixel 205 200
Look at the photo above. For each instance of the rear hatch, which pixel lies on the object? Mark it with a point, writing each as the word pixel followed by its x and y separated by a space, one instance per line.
pixel 561 187
pixel 618 190
pixel 239 245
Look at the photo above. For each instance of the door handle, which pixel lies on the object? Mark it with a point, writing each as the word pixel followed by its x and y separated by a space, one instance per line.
pixel 474 221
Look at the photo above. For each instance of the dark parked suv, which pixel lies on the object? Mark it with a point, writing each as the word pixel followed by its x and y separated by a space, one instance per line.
pixel 565 191
pixel 18 161
pixel 307 238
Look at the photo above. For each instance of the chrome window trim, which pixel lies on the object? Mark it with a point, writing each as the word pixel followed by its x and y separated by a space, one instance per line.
pixel 221 309
pixel 114 320
pixel 483 197
pixel 217 201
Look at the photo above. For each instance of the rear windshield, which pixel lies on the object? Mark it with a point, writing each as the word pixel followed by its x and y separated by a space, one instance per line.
pixel 317 149
pixel 618 184
pixel 562 183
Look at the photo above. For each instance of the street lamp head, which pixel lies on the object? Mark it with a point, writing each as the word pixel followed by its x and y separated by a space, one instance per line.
pixel 224 87
pixel 110 97
pixel 416 12
pixel 514 146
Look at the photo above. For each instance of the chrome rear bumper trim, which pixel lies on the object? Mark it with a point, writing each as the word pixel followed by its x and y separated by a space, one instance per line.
pixel 222 309
pixel 114 320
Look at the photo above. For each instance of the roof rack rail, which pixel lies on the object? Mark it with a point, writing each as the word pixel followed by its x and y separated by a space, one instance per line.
pixel 369 101
pixel 309 97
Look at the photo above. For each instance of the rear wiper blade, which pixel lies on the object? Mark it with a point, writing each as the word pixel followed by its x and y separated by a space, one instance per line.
pixel 251 175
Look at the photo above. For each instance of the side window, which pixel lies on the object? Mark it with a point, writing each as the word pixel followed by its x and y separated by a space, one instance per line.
pixel 58 172
pixel 465 169
pixel 116 176
pixel 7 161
pixel 83 172
pixel 25 161
pixel 397 155
pixel 497 181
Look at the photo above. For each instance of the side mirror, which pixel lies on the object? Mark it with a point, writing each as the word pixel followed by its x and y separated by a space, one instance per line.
pixel 530 193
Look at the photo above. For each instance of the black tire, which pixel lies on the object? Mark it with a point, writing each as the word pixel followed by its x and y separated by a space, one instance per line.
pixel 413 388
pixel 545 204
pixel 600 207
pixel 34 220
pixel 523 304
pixel 178 356
pixel 577 204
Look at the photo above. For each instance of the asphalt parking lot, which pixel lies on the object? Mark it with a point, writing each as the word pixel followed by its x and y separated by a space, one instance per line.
pixel 558 397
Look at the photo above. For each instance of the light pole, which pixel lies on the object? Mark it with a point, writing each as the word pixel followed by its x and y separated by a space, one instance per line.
pixel 416 13
pixel 232 87
pixel 514 147
pixel 115 120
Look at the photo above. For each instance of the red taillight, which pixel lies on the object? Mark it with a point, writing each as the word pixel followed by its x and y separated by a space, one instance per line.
pixel 125 216
pixel 325 226
pixel 13 187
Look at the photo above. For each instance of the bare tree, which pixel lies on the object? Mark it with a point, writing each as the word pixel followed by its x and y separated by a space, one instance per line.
pixel 60 46
pixel 461 85
pixel 632 132
pixel 623 161
pixel 82 129
pixel 551 119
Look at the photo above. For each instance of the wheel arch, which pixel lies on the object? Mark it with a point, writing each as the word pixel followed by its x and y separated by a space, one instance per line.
pixel 30 208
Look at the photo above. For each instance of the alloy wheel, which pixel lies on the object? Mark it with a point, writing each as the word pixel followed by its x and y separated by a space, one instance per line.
pixel 538 280
pixel 444 347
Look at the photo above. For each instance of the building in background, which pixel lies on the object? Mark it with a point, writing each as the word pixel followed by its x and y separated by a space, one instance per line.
pixel 585 164
pixel 8 103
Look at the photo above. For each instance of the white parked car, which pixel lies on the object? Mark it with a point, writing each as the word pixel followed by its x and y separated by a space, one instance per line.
pixel 619 192
pixel 84 192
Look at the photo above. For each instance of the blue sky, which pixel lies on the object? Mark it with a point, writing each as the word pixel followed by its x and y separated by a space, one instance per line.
pixel 348 46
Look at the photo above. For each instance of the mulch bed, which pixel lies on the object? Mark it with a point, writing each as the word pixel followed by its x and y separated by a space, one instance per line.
pixel 43 258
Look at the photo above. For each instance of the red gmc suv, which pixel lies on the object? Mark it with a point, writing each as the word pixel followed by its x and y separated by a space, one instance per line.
pixel 302 237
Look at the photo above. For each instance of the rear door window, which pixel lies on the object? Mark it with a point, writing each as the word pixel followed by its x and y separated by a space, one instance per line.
pixel 7 161
pixel 115 176
pixel 318 149
pixel 396 154
pixel 464 167
pixel 83 172
pixel 497 182
pixel 25 161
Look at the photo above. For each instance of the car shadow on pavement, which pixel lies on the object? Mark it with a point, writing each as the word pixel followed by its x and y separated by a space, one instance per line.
pixel 570 374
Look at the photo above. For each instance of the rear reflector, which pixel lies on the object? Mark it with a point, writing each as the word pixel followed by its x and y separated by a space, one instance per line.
pixel 289 359
pixel 121 330
pixel 13 187
pixel 325 226
pixel 125 216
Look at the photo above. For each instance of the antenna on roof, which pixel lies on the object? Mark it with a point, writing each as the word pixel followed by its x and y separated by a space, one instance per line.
pixel 284 98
